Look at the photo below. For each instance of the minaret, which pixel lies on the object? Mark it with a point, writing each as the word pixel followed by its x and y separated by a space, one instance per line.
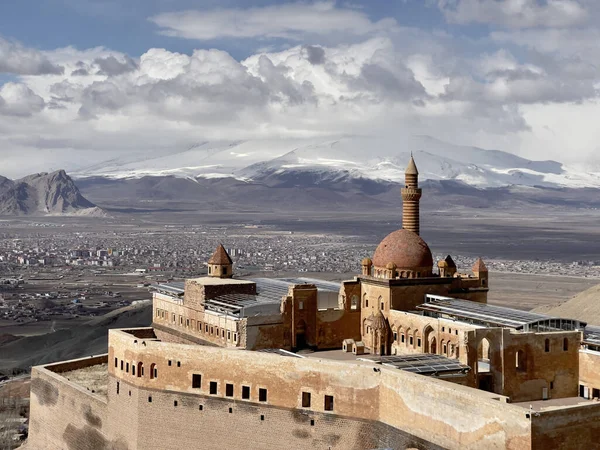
pixel 411 194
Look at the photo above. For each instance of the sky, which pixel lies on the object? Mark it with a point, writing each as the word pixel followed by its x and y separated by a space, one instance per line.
pixel 83 81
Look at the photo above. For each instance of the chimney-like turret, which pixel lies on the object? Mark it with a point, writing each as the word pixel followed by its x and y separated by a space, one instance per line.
pixel 411 194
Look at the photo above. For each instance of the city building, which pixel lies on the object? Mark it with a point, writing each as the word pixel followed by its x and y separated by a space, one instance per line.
pixel 401 356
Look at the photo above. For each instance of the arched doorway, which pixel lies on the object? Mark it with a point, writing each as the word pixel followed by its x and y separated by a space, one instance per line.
pixel 484 364
pixel 427 336
pixel 301 335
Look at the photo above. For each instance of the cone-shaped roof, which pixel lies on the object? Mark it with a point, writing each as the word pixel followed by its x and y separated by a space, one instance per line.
pixel 450 262
pixel 220 256
pixel 479 266
pixel 411 169
pixel 379 322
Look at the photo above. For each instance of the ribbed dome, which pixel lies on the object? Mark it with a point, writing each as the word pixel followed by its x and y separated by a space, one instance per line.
pixel 378 322
pixel 406 249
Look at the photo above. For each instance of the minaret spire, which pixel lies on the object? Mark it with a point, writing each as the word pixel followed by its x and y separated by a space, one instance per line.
pixel 411 194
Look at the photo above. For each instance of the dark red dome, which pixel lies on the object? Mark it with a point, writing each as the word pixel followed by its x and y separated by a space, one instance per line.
pixel 404 248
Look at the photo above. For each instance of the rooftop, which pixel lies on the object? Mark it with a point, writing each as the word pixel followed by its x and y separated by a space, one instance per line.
pixel 495 316
pixel 424 364
pixel 94 378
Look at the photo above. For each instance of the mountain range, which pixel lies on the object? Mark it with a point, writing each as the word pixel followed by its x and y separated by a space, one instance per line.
pixel 44 194
pixel 376 159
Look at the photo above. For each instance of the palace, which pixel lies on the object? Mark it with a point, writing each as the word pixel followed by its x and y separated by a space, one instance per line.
pixel 404 355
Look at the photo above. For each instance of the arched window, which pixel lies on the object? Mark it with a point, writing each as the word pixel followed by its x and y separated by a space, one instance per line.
pixel 547 345
pixel 565 344
pixel 140 372
pixel 153 371
pixel 354 302
pixel 521 361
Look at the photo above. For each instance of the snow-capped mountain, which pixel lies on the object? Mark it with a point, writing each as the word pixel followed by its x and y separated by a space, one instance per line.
pixel 321 161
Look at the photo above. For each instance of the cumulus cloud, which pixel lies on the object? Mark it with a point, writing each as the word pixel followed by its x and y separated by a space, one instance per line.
pixel 16 99
pixel 112 66
pixel 20 60
pixel 515 13
pixel 287 20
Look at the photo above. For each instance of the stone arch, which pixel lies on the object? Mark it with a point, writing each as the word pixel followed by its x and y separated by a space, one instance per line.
pixel 153 371
pixel 484 355
pixel 408 335
pixel 428 333
pixel 433 346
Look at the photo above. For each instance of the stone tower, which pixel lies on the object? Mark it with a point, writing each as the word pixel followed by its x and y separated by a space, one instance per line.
pixel 411 194
pixel 220 264
pixel 480 271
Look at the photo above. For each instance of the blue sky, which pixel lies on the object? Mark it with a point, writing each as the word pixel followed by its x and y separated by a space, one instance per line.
pixel 105 77
pixel 124 25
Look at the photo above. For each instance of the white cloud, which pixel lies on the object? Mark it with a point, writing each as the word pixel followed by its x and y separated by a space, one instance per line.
pixel 515 13
pixel 287 20
pixel 16 99
pixel 20 60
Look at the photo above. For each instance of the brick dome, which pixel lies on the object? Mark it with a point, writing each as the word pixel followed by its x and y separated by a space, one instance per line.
pixel 407 250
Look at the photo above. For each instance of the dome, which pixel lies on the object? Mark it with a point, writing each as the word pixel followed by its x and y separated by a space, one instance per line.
pixel 379 323
pixel 390 266
pixel 406 249
pixel 442 263
pixel 367 262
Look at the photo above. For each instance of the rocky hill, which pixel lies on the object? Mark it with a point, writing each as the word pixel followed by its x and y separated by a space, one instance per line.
pixel 44 194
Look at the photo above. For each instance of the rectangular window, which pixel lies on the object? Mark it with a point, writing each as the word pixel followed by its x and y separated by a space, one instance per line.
pixel 329 403
pixel 206 329
pixel 175 403
pixel 127 367
pixel 443 328
pixel 300 304
pixel 149 399
pixel 178 363
pixel 187 323
pixel 366 302
pixel 212 330
pixel 395 337
pixel 155 372
pixel 118 386
pixel 169 363
pixel 199 326
pixel 223 333
pixel 180 320
pixel 410 340
pixel 382 305
pixel 121 364
pixel 229 390
pixel 133 369
pixel 262 395
pixel 402 338
pixel 246 392
pixel 306 399
pixel 228 335
pixel 196 381
pixel 116 362
pixel 157 312
pixel 213 388
pixel 173 316
pixel 418 342
pixel 234 337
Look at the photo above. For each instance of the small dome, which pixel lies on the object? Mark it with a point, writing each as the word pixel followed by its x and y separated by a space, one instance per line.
pixel 391 266
pixel 406 249
pixel 442 264
pixel 379 322
pixel 367 262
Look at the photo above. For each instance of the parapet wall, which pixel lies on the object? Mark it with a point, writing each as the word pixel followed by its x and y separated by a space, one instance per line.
pixel 444 414
pixel 66 416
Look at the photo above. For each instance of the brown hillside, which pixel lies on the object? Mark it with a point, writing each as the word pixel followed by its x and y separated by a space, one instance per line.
pixel 584 306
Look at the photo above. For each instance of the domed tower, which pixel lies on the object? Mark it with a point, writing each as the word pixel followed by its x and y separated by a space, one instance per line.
pixel 220 264
pixel 411 194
